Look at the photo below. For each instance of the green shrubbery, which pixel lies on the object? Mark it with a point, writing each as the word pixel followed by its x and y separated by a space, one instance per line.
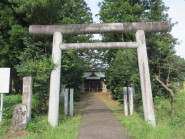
pixel 13 99
pixel 67 128
pixel 178 119
pixel 163 110
pixel 40 71
pixel 122 72
pixel 9 102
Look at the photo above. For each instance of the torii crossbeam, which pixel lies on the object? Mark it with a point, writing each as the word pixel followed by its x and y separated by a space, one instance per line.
pixel 139 27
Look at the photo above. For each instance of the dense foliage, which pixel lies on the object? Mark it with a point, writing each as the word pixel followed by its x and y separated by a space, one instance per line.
pixel 160 46
pixel 122 72
pixel 73 67
pixel 31 55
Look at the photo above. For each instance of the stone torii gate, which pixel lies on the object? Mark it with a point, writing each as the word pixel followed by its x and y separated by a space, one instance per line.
pixel 139 27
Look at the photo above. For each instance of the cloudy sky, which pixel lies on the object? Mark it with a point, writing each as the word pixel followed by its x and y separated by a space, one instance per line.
pixel 176 12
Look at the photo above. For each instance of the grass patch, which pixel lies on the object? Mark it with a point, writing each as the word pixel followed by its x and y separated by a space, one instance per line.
pixel 167 126
pixel 139 129
pixel 39 128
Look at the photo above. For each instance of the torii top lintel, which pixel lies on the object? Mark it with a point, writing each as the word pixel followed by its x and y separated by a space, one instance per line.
pixel 99 28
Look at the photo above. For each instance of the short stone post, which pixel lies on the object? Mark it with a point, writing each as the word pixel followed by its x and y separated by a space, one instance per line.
pixel 55 81
pixel 27 95
pixel 61 97
pixel 71 101
pixel 66 101
pixel 62 90
pixel 125 99
pixel 131 100
pixel 146 90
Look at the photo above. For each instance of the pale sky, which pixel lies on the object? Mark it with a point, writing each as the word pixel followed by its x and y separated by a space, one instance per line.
pixel 176 12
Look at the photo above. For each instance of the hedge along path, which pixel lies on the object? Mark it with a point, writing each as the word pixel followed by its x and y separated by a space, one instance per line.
pixel 139 27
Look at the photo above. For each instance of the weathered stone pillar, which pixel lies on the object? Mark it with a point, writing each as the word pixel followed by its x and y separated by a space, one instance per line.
pixel 62 91
pixel 145 79
pixel 125 99
pixel 19 120
pixel 27 95
pixel 71 101
pixel 131 100
pixel 66 101
pixel 55 81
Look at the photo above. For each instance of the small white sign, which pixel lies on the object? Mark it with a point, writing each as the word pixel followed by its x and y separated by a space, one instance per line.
pixel 4 80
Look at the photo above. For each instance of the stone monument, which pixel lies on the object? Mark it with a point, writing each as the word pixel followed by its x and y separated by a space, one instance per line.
pixel 19 120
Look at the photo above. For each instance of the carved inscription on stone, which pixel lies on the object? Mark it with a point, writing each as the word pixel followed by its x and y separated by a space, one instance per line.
pixel 19 121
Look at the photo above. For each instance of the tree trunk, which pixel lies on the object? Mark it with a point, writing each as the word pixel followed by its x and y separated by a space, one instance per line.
pixel 170 91
pixel 172 106
pixel 165 86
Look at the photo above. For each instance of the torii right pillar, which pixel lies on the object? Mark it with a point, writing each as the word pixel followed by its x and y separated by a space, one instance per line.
pixel 146 90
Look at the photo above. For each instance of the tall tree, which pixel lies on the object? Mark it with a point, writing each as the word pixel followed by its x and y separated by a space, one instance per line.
pixel 11 34
pixel 31 55
pixel 160 46
pixel 17 15
pixel 122 72
pixel 120 11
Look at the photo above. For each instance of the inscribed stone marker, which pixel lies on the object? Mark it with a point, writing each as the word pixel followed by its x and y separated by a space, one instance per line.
pixel 27 95
pixel 19 121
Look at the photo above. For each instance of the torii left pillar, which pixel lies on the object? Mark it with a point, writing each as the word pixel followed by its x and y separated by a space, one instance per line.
pixel 55 80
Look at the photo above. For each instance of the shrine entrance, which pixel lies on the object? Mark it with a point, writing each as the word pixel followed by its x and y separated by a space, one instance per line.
pixel 93 81
pixel 93 86
pixel 140 44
